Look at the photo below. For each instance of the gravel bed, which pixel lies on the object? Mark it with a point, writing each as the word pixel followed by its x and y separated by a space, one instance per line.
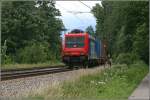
pixel 22 87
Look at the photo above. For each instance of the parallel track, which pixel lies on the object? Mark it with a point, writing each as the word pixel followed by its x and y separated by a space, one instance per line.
pixel 21 73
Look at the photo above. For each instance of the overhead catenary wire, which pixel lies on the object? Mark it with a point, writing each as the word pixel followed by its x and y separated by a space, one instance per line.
pixel 85 5
pixel 73 13
pixel 76 12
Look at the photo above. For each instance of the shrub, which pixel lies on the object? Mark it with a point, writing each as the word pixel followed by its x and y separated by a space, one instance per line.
pixel 33 53
pixel 126 58
pixel 5 58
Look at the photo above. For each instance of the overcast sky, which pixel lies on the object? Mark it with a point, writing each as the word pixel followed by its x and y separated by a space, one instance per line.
pixel 80 20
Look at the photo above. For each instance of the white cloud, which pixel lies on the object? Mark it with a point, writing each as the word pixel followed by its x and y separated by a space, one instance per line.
pixel 71 20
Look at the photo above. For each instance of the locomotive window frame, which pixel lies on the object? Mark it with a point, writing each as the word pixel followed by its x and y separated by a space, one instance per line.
pixel 78 41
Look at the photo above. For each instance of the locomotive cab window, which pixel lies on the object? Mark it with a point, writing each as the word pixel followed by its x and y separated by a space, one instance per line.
pixel 75 42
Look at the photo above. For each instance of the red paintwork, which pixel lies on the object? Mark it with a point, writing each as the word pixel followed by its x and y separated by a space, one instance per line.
pixel 76 51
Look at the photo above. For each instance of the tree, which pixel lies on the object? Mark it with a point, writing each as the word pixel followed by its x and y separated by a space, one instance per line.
pixel 122 24
pixel 23 23
pixel 99 14
pixel 90 30
pixel 141 43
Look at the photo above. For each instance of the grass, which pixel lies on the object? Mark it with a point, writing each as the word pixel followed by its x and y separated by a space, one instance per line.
pixel 110 84
pixel 16 66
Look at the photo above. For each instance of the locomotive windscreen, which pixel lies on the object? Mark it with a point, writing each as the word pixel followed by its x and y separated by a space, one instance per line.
pixel 75 42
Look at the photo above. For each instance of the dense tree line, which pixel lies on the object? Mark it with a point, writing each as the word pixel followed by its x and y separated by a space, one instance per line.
pixel 124 24
pixel 30 34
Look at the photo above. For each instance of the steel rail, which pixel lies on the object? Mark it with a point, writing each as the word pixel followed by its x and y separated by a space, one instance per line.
pixel 13 74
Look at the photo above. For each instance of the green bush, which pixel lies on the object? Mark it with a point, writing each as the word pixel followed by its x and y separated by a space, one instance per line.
pixel 127 58
pixel 33 53
pixel 5 59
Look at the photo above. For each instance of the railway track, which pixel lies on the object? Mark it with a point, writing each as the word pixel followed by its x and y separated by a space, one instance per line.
pixel 21 73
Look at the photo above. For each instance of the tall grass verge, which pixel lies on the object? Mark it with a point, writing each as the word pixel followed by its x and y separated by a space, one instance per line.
pixel 116 83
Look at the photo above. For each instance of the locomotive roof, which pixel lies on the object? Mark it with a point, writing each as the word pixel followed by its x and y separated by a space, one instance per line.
pixel 77 31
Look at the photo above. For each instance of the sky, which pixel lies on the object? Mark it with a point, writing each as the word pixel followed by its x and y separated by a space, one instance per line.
pixel 74 20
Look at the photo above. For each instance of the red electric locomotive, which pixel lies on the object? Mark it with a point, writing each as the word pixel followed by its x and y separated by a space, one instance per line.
pixel 80 48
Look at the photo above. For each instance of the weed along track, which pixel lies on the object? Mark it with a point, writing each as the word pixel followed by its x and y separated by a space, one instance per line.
pixel 21 73
pixel 21 87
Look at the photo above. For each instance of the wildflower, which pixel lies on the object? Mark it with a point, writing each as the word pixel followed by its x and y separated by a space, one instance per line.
pixel 96 83
pixel 101 83
pixel 92 82
pixel 105 73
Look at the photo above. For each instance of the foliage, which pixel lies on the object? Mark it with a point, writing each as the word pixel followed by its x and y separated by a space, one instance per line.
pixel 115 83
pixel 124 25
pixel 5 59
pixel 126 58
pixel 3 52
pixel 141 43
pixel 33 53
pixel 22 66
pixel 90 30
pixel 23 23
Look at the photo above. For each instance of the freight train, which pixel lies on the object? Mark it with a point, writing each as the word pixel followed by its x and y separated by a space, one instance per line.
pixel 80 48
